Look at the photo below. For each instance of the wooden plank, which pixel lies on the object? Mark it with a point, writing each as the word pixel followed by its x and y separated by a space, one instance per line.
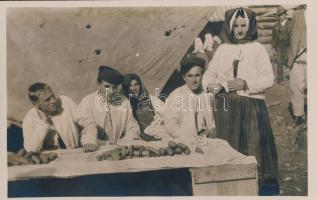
pixel 263 6
pixel 266 26
pixel 264 10
pixel 207 189
pixel 247 187
pixel 266 19
pixel 265 39
pixel 265 32
pixel 223 173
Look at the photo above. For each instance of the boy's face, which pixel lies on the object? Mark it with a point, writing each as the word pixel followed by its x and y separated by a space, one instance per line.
pixel 107 90
pixel 193 78
pixel 47 101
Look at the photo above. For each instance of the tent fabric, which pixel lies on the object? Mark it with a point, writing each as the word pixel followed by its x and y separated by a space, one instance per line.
pixel 218 14
pixel 64 47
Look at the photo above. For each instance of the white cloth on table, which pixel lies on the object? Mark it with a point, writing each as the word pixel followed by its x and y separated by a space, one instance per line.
pixel 38 132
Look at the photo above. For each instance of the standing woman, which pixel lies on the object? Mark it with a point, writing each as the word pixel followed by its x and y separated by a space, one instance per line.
pixel 238 75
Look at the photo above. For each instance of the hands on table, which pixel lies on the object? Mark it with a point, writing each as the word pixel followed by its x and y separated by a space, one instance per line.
pixel 22 157
pixel 89 147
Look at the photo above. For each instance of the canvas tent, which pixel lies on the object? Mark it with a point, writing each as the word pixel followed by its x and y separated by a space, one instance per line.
pixel 64 47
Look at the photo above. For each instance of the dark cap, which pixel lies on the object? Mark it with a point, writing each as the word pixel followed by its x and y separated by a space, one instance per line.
pixel 187 63
pixel 109 75
pixel 280 10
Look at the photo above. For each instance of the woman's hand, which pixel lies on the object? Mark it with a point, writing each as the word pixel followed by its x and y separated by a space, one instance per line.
pixel 237 84
pixel 214 88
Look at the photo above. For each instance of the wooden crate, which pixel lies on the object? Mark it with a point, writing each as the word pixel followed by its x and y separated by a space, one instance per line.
pixel 225 180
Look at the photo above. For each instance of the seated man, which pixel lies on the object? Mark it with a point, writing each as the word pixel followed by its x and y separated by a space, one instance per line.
pixel 189 107
pixel 50 123
pixel 106 114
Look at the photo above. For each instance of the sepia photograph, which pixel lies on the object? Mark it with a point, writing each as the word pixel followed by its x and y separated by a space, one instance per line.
pixel 156 101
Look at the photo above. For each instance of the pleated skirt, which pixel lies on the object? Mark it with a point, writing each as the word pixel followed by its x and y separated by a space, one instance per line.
pixel 244 122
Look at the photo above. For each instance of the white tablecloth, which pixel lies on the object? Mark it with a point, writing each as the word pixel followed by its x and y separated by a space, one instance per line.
pixel 73 162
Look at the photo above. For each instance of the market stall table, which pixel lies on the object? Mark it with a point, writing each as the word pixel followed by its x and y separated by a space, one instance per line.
pixel 219 171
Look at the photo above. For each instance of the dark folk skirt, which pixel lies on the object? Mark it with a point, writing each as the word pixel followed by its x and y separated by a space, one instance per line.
pixel 245 124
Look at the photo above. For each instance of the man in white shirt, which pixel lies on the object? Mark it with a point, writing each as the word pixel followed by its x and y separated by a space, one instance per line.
pixel 51 122
pixel 297 61
pixel 189 107
pixel 106 114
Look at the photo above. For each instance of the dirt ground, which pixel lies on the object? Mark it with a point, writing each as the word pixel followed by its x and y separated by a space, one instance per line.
pixel 292 150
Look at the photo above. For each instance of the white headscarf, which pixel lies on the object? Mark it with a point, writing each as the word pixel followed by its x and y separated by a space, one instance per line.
pixel 234 16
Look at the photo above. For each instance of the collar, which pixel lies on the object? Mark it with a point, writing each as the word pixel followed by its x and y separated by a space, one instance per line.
pixel 283 22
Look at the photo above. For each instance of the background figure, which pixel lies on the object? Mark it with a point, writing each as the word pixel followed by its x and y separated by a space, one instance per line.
pixel 297 61
pixel 208 46
pixel 280 42
pixel 238 74
pixel 145 108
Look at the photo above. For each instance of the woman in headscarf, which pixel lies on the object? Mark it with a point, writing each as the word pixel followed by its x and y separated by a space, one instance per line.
pixel 145 108
pixel 238 75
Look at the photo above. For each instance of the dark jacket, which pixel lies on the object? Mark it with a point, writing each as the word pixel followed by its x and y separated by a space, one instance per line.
pixel 281 35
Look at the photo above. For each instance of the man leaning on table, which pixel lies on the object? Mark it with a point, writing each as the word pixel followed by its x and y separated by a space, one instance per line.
pixel 50 123
pixel 106 114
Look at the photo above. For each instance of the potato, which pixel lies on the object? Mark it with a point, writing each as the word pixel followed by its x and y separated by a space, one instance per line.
pixel 44 158
pixel 154 151
pixel 162 151
pixel 99 157
pixel 137 153
pixel 187 151
pixel 145 153
pixel 182 146
pixel 198 150
pixel 115 156
pixel 178 150
pixel 36 159
pixel 52 156
pixel 169 151
pixel 172 145
pixel 21 160
pixel 130 150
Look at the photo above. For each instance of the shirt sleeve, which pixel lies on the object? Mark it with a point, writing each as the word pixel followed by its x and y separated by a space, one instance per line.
pixel 72 106
pixel 265 76
pixel 210 75
pixel 34 132
pixel 85 120
pixel 172 116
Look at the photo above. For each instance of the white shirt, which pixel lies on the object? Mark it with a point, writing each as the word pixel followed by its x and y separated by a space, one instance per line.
pixel 91 112
pixel 254 67
pixel 283 22
pixel 37 132
pixel 183 108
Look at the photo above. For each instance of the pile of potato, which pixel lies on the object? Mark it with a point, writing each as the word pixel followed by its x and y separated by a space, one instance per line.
pixel 139 151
